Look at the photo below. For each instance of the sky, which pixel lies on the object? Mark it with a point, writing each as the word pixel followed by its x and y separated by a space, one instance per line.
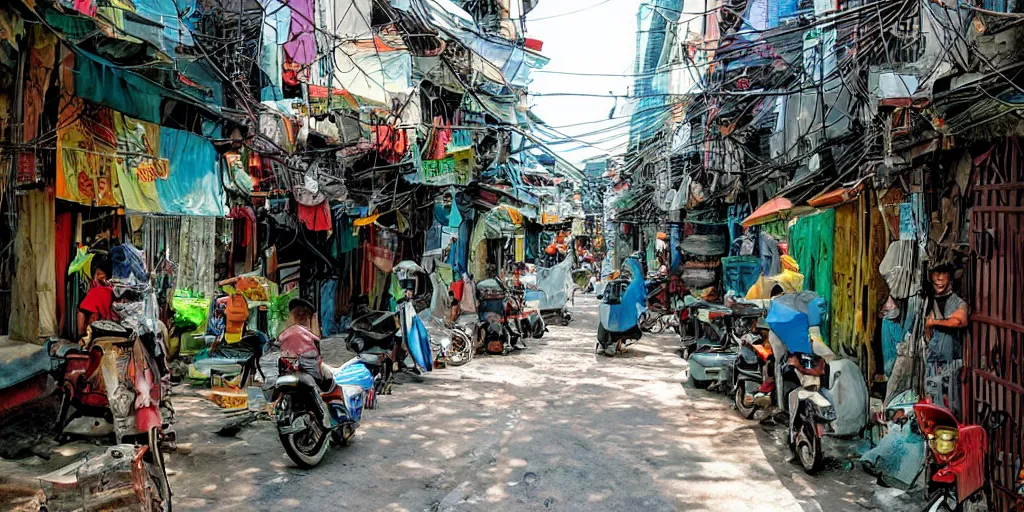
pixel 601 38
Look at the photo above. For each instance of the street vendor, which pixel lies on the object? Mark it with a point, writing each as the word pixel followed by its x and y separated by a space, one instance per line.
pixel 98 302
pixel 945 326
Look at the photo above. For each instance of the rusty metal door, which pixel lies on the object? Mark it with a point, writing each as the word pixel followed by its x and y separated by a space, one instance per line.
pixel 994 353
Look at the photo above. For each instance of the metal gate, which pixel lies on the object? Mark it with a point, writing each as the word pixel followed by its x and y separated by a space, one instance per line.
pixel 994 353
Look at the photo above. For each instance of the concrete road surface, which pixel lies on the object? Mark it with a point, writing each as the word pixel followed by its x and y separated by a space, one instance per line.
pixel 555 427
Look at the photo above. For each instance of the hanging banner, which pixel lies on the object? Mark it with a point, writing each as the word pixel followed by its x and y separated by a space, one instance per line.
pixel 139 164
pixel 106 158
pixel 87 160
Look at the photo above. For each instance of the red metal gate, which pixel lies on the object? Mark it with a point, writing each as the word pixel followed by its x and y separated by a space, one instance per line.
pixel 994 354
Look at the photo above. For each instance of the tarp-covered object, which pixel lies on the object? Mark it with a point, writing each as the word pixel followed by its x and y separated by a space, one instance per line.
pixel 555 285
pixel 624 316
pixel 500 60
pixel 791 326
pixel 850 396
pixel 899 456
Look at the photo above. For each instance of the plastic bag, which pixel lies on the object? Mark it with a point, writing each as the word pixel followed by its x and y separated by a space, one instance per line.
pixel 189 312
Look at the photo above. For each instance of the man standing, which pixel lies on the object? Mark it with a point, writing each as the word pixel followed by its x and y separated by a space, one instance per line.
pixel 945 326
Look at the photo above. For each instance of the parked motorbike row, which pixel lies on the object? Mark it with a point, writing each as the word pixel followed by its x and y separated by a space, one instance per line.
pixel 311 415
pixel 769 357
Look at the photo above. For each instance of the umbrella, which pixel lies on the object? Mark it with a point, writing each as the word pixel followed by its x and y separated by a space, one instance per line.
pixel 777 209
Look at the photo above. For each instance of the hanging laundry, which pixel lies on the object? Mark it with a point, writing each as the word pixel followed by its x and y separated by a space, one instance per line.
pixel 454 217
pixel 392 143
pixel 248 216
pixel 439 143
pixel 316 218
pixel 301 46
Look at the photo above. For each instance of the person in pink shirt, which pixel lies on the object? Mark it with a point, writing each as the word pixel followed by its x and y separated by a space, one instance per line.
pixel 298 341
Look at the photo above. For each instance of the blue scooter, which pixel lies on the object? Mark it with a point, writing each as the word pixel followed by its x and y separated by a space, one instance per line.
pixel 622 304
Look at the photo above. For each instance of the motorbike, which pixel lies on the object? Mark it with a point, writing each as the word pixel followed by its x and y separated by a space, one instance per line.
pixel 623 302
pixel 311 413
pixel 753 374
pixel 375 337
pixel 713 358
pixel 704 321
pixel 452 341
pixel 959 457
pixel 804 375
pixel 496 333
pixel 113 384
pixel 661 311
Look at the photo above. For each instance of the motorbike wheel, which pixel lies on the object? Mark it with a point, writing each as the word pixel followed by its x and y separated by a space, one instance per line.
pixel 462 349
pixel 746 411
pixel 160 499
pixel 306 448
pixel 808 448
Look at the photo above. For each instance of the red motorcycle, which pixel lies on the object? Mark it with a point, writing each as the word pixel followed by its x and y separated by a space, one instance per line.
pixel 112 385
pixel 958 457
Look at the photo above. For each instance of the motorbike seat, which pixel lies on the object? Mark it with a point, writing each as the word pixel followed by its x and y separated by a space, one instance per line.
pixel 374 351
pixel 376 335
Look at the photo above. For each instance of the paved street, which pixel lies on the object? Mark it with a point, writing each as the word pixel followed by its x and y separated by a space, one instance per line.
pixel 552 428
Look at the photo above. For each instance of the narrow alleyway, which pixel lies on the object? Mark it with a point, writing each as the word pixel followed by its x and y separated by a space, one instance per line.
pixel 555 427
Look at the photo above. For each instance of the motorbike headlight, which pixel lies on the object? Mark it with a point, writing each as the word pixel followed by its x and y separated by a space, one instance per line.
pixel 943 440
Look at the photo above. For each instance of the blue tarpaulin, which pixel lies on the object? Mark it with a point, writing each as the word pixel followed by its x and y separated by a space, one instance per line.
pixel 196 188
pixel 790 326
